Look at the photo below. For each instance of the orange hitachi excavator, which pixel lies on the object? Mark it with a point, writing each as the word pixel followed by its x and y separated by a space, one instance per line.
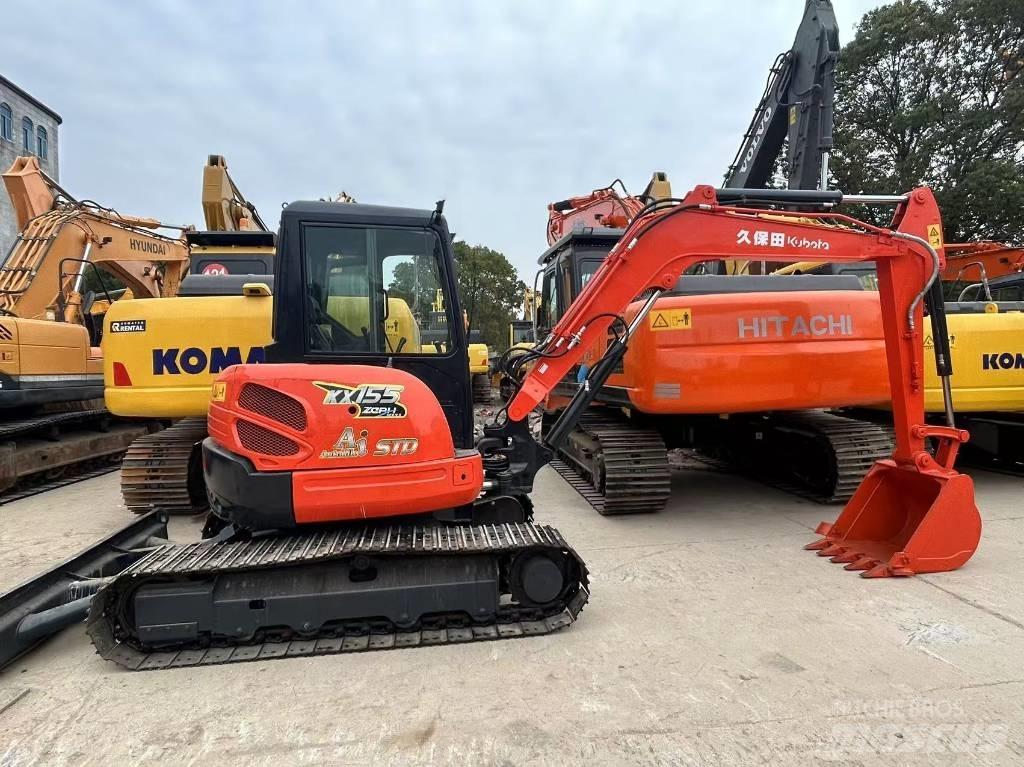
pixel 807 344
pixel 51 371
pixel 984 259
pixel 356 511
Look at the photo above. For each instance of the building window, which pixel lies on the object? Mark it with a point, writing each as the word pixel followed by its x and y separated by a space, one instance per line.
pixel 41 143
pixel 26 135
pixel 6 122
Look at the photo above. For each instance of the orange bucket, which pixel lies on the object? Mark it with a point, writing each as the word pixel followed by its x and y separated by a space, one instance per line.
pixel 905 519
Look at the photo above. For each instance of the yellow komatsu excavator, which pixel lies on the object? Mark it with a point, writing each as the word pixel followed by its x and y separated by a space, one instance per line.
pixel 164 369
pixel 51 380
pixel 986 328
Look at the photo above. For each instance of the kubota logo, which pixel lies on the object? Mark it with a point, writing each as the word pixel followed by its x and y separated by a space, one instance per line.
pixel 194 360
pixel 369 400
pixel 1004 361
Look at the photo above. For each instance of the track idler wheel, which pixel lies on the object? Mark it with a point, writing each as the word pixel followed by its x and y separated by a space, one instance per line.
pixel 540 578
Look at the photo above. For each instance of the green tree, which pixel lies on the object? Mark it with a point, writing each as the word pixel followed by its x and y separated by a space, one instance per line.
pixel 932 92
pixel 489 289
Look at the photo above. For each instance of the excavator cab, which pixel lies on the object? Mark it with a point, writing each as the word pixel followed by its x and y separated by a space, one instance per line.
pixel 355 284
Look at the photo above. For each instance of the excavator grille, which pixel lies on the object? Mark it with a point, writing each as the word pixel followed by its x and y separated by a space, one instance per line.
pixel 270 403
pixel 259 439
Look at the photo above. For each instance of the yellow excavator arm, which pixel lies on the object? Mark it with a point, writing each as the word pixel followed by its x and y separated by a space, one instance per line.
pixel 59 236
pixel 224 206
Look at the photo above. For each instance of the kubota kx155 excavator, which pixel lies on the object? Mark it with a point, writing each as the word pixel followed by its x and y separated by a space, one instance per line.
pixel 361 516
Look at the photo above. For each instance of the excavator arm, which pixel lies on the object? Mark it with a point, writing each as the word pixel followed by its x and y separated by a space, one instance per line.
pixel 659 246
pixel 60 236
pixel 224 206
pixel 797 104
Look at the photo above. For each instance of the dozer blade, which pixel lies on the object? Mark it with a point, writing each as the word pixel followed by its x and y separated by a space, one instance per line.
pixel 903 521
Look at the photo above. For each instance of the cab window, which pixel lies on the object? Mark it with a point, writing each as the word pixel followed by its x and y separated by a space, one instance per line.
pixel 372 290
pixel 548 310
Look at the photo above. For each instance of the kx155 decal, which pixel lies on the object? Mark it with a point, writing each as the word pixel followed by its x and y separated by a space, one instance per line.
pixel 369 400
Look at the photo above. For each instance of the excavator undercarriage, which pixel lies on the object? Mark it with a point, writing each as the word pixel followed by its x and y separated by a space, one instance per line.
pixel 163 470
pixel 621 465
pixel 370 588
pixel 43 450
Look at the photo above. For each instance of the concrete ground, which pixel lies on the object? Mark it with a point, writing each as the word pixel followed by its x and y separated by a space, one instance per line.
pixel 710 638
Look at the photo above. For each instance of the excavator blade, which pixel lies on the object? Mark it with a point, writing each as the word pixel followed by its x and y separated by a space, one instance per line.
pixel 903 521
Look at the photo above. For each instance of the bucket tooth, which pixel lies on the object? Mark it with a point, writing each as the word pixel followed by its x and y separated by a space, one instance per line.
pixel 904 520
pixel 878 571
pixel 823 528
pixel 846 557
pixel 863 563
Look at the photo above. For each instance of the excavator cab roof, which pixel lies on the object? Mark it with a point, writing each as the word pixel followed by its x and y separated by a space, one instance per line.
pixel 243 239
pixel 597 235
pixel 362 214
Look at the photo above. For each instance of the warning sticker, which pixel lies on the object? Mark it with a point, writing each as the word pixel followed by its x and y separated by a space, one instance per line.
pixel 929 343
pixel 935 235
pixel 670 319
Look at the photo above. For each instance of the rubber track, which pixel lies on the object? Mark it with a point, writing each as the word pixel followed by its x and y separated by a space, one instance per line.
pixel 636 473
pixel 482 392
pixel 85 469
pixel 155 471
pixel 206 559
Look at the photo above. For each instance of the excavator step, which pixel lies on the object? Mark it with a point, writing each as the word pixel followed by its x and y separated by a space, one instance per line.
pixel 294 595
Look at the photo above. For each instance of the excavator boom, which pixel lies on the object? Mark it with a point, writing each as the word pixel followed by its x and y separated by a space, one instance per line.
pixel 796 108
pixel 224 206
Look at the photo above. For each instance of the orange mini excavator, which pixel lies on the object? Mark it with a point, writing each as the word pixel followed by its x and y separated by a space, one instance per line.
pixel 356 511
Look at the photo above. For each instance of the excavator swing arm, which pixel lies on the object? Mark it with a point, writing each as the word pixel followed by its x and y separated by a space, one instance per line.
pixel 913 512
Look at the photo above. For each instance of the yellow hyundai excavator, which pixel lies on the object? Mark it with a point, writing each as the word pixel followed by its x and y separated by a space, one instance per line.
pixel 50 324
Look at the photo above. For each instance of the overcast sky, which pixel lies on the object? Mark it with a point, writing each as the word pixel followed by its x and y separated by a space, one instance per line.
pixel 499 107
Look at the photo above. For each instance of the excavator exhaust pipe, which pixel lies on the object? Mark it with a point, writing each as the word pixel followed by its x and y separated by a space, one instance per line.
pixel 907 519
